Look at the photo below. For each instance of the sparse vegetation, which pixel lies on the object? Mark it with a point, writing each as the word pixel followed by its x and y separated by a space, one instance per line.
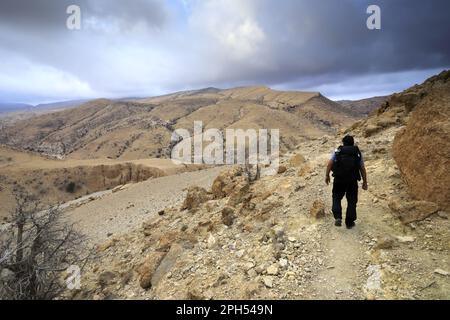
pixel 71 187
pixel 35 250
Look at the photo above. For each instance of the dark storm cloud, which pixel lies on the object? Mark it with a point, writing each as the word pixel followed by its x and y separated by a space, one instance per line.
pixel 50 15
pixel 329 39
pixel 143 47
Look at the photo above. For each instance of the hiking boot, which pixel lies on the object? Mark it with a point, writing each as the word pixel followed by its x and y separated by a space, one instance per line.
pixel 338 223
pixel 350 225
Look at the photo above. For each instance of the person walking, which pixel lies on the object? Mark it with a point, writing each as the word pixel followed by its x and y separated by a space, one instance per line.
pixel 347 165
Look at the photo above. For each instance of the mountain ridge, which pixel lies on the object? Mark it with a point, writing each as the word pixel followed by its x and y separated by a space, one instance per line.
pixel 142 128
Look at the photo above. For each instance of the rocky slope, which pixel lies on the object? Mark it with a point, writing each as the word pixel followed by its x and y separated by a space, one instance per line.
pixel 421 146
pixel 57 181
pixel 275 239
pixel 364 107
pixel 142 128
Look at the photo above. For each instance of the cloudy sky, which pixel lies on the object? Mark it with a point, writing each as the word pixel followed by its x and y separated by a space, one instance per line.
pixel 149 47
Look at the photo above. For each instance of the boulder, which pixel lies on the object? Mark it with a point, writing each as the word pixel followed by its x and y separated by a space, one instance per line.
pixel 106 278
pixel 240 193
pixel 268 282
pixel 228 216
pixel 370 130
pixel 411 211
pixel 166 264
pixel 211 241
pixel 195 197
pixel 272 270
pixel 318 209
pixel 225 182
pixel 297 161
pixel 422 148
pixel 385 242
pixel 148 268
pixel 281 169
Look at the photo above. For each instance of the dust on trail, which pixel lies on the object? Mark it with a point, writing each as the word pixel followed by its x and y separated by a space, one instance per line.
pixel 346 253
pixel 342 277
pixel 343 251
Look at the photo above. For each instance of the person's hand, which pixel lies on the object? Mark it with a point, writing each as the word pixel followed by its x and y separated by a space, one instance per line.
pixel 327 180
pixel 365 186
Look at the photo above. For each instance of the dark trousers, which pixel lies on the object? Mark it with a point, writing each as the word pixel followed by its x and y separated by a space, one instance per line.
pixel 350 190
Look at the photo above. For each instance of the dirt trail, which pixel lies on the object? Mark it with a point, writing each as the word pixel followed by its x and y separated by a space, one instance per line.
pixel 342 278
pixel 343 251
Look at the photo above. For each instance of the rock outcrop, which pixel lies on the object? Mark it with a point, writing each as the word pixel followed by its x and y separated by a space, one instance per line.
pixel 419 118
pixel 422 148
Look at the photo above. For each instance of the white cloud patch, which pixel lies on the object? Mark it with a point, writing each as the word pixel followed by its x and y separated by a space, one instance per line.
pixel 20 77
pixel 229 24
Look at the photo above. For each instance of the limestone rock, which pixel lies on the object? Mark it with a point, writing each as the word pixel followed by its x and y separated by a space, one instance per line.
pixel 412 210
pixel 225 182
pixel 268 282
pixel 385 242
pixel 282 169
pixel 297 161
pixel 195 197
pixel 228 216
pixel 272 270
pixel 166 264
pixel 106 278
pixel 148 267
pixel 405 239
pixel 211 241
pixel 6 275
pixel 422 149
pixel 442 272
pixel 318 209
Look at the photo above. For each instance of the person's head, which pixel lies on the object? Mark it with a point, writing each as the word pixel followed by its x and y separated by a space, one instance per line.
pixel 348 141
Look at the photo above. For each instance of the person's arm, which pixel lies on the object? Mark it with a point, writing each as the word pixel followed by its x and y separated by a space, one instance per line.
pixel 364 176
pixel 327 174
pixel 363 171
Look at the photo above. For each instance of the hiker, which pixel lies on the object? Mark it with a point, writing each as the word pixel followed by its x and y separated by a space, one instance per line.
pixel 347 165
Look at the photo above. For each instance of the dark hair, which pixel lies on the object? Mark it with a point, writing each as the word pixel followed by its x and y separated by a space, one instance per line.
pixel 348 141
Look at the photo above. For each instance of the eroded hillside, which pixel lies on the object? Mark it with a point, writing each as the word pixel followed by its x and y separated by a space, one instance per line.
pixel 142 128
pixel 58 181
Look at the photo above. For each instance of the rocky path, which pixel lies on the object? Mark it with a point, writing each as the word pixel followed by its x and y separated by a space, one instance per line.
pixel 343 251
pixel 342 276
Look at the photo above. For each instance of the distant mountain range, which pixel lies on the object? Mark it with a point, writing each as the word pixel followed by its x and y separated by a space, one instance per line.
pixel 6 107
pixel 363 107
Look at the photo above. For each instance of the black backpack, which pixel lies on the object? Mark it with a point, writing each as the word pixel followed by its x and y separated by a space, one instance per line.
pixel 347 163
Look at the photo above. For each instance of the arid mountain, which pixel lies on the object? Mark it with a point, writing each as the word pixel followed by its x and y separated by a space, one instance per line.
pixel 363 107
pixel 142 128
pixel 6 107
